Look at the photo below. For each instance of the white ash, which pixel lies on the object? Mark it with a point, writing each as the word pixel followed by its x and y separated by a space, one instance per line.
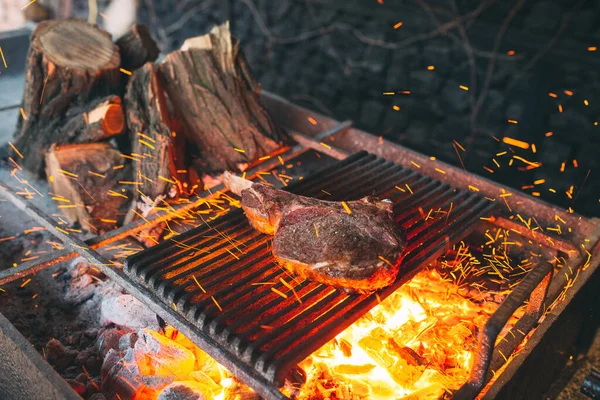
pixel 126 311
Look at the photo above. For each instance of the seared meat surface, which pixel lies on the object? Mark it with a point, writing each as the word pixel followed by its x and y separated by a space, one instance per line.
pixel 358 250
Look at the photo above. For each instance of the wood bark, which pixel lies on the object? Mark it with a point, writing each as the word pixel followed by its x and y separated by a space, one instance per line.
pixel 101 120
pixel 216 99
pixel 155 158
pixel 94 181
pixel 137 47
pixel 69 64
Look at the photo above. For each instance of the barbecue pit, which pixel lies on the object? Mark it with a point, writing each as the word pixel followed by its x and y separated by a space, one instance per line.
pixel 345 162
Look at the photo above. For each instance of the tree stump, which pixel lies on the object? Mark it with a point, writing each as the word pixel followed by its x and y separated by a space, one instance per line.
pixel 93 181
pixel 217 101
pixel 69 64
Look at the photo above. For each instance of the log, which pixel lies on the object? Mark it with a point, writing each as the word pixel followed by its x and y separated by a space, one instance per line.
pixel 216 99
pixel 94 181
pixel 153 146
pixel 69 64
pixel 101 120
pixel 137 47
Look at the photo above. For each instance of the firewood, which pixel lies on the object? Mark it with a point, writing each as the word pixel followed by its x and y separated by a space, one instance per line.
pixel 69 64
pixel 137 47
pixel 93 181
pixel 217 100
pixel 101 120
pixel 154 165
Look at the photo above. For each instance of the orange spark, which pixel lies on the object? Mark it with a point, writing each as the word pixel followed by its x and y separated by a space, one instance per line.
pixel 395 107
pixel 510 52
pixel 264 158
pixel 415 164
pixel 463 87
pixel 348 210
pixel 312 120
pixel 552 95
pixel 539 181
pixel 533 149
pixel 430 67
pixel 398 25
pixel 515 142
pixel 123 70
pixel 575 164
pixel 592 48
pixel 15 149
pixel 3 59
pixel 23 113
pixel 325 145
pixel 568 93
pixel 389 93
pixel 513 121
pixel 560 108
pixel 548 134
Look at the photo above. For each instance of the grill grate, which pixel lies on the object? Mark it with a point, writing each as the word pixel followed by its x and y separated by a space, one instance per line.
pixel 259 327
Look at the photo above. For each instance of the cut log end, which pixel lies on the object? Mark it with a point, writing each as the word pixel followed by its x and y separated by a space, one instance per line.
pixel 92 50
pixel 137 47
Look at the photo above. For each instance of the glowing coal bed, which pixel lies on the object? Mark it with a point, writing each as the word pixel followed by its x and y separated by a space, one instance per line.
pixel 417 343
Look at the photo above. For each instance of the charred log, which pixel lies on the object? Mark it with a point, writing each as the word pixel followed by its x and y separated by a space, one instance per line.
pixel 62 74
pixel 216 98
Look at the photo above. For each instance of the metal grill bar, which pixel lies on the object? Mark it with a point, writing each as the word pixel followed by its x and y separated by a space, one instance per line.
pixel 219 276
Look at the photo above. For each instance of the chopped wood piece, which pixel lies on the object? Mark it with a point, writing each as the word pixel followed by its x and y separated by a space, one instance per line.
pixel 217 100
pixel 137 47
pixel 102 120
pixel 69 64
pixel 95 189
pixel 153 150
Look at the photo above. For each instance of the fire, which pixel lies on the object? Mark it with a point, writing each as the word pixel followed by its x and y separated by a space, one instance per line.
pixel 419 342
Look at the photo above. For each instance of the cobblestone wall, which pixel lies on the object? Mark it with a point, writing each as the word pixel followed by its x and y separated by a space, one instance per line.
pixel 339 57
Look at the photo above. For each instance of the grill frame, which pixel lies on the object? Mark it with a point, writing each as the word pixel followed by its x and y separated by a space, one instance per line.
pixel 347 140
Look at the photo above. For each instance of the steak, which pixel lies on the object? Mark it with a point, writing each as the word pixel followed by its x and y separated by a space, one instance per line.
pixel 355 245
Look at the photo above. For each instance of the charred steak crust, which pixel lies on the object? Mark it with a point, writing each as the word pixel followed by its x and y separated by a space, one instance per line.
pixel 319 240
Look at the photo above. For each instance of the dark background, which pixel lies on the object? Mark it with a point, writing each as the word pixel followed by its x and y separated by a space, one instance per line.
pixel 338 57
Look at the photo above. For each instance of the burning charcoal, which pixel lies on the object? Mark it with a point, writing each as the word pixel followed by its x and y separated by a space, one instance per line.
pixel 155 354
pixel 111 359
pixel 127 341
pixel 78 387
pixel 80 290
pixel 183 390
pixel 210 386
pixel 59 356
pixel 123 379
pixel 127 311
pixel 109 339
pixel 236 390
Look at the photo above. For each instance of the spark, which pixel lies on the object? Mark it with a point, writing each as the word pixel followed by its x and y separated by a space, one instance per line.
pixel 96 174
pixel 500 154
pixel 533 148
pixel 473 188
pixel 130 183
pixel 63 172
pixel 25 283
pixel 15 149
pixel 3 59
pixel 441 171
pixel 553 95
pixel 348 210
pixel 415 164
pixel 592 48
pixel 389 93
pixel 587 103
pixel 239 150
pixel 575 164
pixel 430 67
pixel 568 93
pixel 548 134
pixel 533 164
pixel 123 70
pixel 325 145
pixel 398 25
pixel 562 167
pixel 514 142
pixel 396 108
pixel 264 158
pixel 536 194
pixel 510 52
pixel 491 171
pixel 463 87
pixel 23 113
pixel 326 192
pixel 560 108
pixel 147 144
pixel 312 120
pixel 279 293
